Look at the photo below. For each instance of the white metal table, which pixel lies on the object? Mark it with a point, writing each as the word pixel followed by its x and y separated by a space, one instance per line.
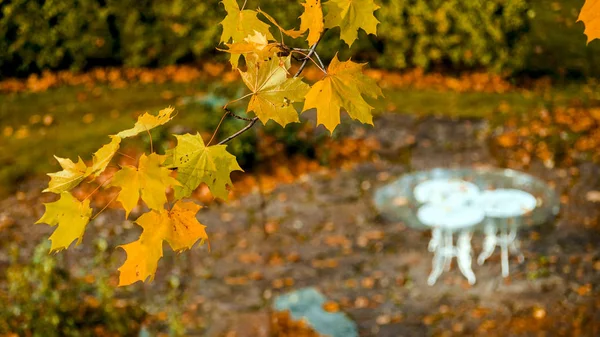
pixel 510 200
pixel 445 220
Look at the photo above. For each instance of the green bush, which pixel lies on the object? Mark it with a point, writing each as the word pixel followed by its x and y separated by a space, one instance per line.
pixel 165 32
pixel 459 34
pixel 36 35
pixel 465 34
pixel 42 299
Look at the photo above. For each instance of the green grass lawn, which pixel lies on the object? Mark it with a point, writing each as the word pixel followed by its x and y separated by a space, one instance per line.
pixel 82 121
pixel 73 132
pixel 557 39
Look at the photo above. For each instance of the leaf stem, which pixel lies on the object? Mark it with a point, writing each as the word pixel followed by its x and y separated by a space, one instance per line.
pixel 105 207
pixel 151 146
pixel 238 99
pixel 126 155
pixel 97 188
pixel 218 126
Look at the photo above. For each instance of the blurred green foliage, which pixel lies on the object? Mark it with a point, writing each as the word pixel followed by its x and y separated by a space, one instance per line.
pixel 558 45
pixel 153 32
pixel 51 34
pixel 463 34
pixel 37 35
pixel 42 299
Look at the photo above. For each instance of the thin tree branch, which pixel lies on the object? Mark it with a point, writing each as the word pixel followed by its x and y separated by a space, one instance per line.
pixel 320 62
pixel 310 52
pixel 246 128
pixel 310 58
pixel 232 114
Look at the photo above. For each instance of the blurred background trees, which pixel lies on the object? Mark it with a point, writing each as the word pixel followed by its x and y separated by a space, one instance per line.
pixel 506 36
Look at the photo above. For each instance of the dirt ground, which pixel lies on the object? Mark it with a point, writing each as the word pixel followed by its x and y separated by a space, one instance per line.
pixel 324 231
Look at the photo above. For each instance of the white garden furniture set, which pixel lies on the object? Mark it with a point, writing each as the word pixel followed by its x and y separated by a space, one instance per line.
pixel 495 203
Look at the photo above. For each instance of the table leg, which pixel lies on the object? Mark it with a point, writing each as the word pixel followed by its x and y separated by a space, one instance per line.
pixel 504 251
pixel 448 250
pixel 514 245
pixel 436 237
pixel 463 256
pixel 437 266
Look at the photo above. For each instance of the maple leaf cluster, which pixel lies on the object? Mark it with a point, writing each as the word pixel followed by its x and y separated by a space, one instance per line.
pixel 149 181
pixel 268 62
pixel 273 92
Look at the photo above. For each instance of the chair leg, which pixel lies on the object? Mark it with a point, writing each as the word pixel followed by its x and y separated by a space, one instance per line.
pixel 489 245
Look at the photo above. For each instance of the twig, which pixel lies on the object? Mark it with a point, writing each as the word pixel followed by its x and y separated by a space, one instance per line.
pixel 312 50
pixel 308 50
pixel 320 62
pixel 227 113
pixel 322 68
pixel 253 120
pixel 246 128
pixel 232 114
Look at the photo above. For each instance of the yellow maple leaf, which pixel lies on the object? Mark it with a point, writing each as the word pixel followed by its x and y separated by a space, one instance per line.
pixel 103 156
pixel 255 47
pixel 273 92
pixel 185 230
pixel 144 253
pixel 238 24
pixel 312 20
pixel 289 32
pixel 590 15
pixel 350 16
pixel 71 175
pixel 147 122
pixel 179 227
pixel 70 216
pixel 149 180
pixel 342 87
pixel 197 163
